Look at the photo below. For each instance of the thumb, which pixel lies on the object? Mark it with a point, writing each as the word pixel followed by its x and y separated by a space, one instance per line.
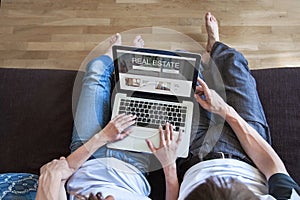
pixel 150 145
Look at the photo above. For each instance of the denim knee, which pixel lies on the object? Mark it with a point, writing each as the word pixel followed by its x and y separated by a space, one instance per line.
pixel 101 66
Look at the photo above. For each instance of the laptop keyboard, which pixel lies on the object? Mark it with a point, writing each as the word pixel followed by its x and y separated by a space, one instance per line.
pixel 151 114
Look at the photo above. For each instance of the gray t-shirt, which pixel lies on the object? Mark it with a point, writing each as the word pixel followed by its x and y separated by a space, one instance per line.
pixel 109 176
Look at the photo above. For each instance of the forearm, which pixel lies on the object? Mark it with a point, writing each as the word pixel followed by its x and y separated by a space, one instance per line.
pixel 262 154
pixel 82 154
pixel 172 185
pixel 62 191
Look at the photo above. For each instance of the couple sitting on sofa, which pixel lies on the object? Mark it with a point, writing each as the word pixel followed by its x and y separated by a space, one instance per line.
pixel 251 170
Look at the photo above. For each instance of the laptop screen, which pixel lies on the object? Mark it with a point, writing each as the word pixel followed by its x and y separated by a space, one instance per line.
pixel 156 72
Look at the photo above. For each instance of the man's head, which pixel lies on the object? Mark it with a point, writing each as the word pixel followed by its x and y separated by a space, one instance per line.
pixel 219 188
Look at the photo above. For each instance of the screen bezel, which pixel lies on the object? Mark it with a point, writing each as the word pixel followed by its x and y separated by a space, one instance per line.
pixel 155 51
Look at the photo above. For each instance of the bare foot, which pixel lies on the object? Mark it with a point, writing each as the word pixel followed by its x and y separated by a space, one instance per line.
pixel 138 41
pixel 212 30
pixel 114 40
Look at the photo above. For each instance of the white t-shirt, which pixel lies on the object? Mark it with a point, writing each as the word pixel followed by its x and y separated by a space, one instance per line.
pixel 109 176
pixel 225 168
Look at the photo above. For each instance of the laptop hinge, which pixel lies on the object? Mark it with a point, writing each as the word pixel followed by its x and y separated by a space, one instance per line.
pixel 156 97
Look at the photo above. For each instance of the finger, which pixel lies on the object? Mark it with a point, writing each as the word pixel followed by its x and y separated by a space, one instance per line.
pixel 62 158
pixel 199 80
pixel 202 83
pixel 179 137
pixel 171 132
pixel 127 124
pixel 204 86
pixel 198 98
pixel 167 132
pixel 199 90
pixel 131 117
pixel 42 169
pixel 203 89
pixel 126 118
pixel 162 137
pixel 121 122
pixel 123 117
pixel 118 116
pixel 150 145
pixel 52 162
pixel 201 101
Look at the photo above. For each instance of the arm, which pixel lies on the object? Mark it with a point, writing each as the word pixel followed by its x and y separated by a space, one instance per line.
pixel 55 173
pixel 172 185
pixel 166 154
pixel 262 154
pixel 113 131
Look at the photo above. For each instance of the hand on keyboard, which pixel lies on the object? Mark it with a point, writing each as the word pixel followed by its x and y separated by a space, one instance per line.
pixel 166 153
pixel 118 128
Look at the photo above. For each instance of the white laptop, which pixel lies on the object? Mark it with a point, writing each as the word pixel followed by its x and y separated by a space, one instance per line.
pixel 158 87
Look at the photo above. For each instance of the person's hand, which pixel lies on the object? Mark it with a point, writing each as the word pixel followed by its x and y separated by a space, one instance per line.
pixel 166 153
pixel 59 168
pixel 118 128
pixel 212 101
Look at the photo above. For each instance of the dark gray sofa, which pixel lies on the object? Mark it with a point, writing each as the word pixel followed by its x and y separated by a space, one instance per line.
pixel 36 118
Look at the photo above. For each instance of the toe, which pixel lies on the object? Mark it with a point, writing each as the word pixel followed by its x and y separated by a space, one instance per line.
pixel 118 37
pixel 138 41
pixel 137 38
pixel 213 18
pixel 114 38
pixel 207 16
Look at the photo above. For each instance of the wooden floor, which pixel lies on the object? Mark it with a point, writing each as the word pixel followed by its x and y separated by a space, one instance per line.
pixel 61 34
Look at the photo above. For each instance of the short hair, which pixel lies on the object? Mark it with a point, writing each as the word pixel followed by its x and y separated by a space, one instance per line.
pixel 220 188
pixel 98 196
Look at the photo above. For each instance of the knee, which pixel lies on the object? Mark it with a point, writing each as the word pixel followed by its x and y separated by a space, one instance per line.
pixel 95 66
pixel 99 66
pixel 240 61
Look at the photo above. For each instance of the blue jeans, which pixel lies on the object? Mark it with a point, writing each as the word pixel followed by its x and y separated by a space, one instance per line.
pixel 94 112
pixel 239 91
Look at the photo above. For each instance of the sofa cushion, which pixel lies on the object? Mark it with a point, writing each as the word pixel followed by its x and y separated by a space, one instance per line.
pixel 19 186
pixel 279 92
pixel 36 119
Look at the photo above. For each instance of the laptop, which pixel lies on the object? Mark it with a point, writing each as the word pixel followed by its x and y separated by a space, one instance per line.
pixel 157 86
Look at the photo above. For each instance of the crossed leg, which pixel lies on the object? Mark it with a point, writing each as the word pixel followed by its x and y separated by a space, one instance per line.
pixel 94 109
